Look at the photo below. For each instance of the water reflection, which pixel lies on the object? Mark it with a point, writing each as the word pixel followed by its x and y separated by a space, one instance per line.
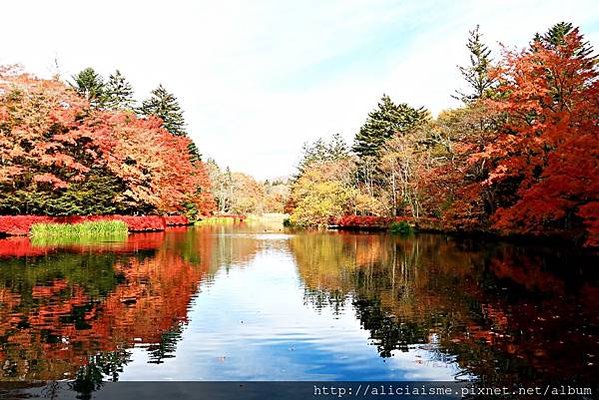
pixel 507 313
pixel 76 310
pixel 243 302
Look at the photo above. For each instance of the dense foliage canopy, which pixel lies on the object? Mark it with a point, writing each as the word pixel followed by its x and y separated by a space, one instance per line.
pixel 59 155
pixel 521 156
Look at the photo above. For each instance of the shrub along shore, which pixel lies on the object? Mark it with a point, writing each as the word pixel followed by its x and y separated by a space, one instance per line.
pixel 371 223
pixel 21 225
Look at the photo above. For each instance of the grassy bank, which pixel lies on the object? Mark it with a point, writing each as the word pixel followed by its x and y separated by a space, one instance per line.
pixel 270 222
pixel 113 230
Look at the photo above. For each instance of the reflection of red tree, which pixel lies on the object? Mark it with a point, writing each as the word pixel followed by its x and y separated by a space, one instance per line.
pixel 22 246
pixel 49 290
pixel 153 300
pixel 504 313
pixel 532 334
pixel 66 326
pixel 527 272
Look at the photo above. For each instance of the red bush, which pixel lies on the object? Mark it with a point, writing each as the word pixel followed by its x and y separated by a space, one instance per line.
pixel 20 224
pixel 361 221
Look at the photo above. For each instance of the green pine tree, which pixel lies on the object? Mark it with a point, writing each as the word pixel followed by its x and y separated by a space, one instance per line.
pixel 477 73
pixel 165 106
pixel 555 40
pixel 321 151
pixel 337 147
pixel 118 93
pixel 89 84
pixel 316 151
pixel 555 37
pixel 194 152
pixel 386 120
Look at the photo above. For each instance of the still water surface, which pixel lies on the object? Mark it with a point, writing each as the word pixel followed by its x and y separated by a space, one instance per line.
pixel 240 302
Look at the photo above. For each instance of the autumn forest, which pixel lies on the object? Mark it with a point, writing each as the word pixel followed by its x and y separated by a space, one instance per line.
pixel 520 157
pixel 256 197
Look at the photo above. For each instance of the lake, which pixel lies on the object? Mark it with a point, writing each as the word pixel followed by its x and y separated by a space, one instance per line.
pixel 246 302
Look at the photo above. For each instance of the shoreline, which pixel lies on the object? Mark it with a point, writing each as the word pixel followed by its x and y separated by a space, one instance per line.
pixel 20 225
pixel 560 240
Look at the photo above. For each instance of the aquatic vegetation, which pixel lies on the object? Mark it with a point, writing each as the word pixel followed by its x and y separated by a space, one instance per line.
pixel 401 228
pixel 81 231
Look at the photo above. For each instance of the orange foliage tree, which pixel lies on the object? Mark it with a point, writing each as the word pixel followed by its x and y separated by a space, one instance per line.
pixel 59 156
pixel 547 153
pixel 41 143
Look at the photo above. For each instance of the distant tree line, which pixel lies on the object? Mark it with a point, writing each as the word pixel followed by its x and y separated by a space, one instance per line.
pixel 240 194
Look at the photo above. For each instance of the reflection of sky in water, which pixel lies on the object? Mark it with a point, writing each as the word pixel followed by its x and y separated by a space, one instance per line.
pixel 251 323
pixel 274 304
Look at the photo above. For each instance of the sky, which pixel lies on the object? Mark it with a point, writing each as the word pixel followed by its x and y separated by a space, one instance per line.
pixel 259 78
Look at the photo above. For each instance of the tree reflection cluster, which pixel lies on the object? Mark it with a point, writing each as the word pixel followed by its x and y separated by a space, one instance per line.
pixel 504 313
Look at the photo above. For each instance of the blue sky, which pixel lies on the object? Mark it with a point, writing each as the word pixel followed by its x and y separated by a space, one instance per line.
pixel 259 78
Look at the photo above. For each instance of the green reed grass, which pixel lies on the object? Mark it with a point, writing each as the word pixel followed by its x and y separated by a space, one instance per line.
pixel 78 233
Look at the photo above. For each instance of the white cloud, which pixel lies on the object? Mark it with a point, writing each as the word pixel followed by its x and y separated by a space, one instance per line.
pixel 259 78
